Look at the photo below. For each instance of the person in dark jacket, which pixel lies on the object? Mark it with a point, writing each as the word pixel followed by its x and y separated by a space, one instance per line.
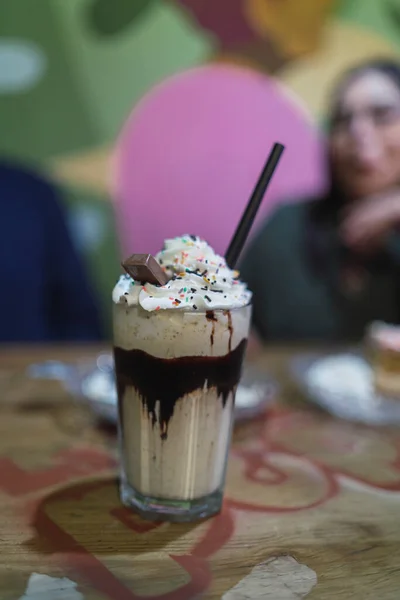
pixel 323 269
pixel 45 294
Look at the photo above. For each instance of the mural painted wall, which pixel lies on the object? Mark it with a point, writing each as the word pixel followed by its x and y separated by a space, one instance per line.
pixel 70 72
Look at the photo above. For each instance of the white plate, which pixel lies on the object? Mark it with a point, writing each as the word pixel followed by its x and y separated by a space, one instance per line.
pixel 347 391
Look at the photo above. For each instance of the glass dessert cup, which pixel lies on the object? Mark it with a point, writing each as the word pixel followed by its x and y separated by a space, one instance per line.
pixel 177 373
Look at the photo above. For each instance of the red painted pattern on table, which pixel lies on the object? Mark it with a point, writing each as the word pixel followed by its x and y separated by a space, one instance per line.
pixel 93 571
pixel 68 465
pixel 258 470
pixel 342 443
pixel 132 521
pixel 322 451
pixel 88 567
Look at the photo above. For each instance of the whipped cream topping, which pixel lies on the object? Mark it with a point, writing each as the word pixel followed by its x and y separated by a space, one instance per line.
pixel 200 280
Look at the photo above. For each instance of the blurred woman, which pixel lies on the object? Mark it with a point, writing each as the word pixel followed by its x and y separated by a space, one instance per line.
pixel 324 268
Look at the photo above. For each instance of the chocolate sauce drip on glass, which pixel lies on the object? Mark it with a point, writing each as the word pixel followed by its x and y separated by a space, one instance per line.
pixel 168 380
pixel 210 316
pixel 230 327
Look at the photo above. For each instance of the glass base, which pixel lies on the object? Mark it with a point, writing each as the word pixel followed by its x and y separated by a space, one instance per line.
pixel 173 511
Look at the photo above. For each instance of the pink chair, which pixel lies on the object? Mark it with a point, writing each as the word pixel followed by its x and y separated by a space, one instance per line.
pixel 190 154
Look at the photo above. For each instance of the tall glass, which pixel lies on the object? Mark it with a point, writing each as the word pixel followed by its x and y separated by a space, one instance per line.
pixel 177 374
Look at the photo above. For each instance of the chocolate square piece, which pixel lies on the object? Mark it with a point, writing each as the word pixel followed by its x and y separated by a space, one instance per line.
pixel 145 268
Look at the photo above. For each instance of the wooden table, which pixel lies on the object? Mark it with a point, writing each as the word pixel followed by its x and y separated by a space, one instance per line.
pixel 312 506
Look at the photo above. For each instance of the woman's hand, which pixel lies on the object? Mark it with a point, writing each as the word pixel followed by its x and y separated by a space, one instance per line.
pixel 367 223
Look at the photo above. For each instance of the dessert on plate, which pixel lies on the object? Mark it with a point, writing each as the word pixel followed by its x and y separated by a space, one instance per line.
pixel 384 342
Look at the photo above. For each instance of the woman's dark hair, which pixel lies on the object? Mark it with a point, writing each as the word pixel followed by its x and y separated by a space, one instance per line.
pixel 386 67
pixel 334 199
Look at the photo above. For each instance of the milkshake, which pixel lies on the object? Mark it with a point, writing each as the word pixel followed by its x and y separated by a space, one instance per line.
pixel 179 349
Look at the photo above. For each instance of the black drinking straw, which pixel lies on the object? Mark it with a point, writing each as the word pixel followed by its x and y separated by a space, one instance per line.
pixel 240 236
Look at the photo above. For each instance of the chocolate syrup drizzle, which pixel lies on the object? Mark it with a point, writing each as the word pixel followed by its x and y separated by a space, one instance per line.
pixel 210 316
pixel 168 380
pixel 230 327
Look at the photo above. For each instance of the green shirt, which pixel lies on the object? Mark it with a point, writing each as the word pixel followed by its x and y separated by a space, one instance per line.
pixel 295 301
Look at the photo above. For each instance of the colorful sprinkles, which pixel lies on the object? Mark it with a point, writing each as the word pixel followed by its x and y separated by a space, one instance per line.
pixel 188 259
